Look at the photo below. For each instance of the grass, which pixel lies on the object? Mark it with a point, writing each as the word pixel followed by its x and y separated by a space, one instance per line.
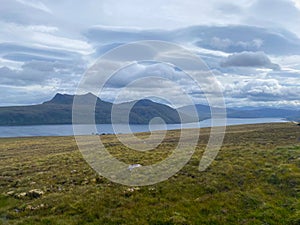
pixel 255 179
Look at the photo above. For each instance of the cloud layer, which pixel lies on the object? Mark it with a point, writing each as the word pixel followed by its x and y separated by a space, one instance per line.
pixel 252 46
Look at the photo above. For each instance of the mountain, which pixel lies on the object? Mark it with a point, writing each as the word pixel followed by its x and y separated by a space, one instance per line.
pixel 144 110
pixel 265 112
pixel 59 111
pixel 204 111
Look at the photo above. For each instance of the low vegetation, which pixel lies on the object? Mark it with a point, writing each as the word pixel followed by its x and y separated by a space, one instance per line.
pixel 255 179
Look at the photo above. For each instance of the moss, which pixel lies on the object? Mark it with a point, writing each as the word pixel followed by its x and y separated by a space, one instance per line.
pixel 254 180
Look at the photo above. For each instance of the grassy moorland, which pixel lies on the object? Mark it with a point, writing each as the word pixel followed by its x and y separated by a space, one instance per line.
pixel 255 179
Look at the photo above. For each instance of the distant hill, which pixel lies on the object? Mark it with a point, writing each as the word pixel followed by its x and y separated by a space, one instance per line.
pixel 59 111
pixel 144 110
pixel 247 112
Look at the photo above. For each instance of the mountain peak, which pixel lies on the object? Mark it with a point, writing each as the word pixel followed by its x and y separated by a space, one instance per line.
pixel 61 99
pixel 145 102
pixel 68 99
pixel 89 94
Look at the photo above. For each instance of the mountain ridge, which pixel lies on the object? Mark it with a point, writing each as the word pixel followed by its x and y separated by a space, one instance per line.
pixel 248 112
pixel 58 110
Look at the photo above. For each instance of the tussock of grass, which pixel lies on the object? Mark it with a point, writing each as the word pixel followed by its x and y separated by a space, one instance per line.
pixel 255 179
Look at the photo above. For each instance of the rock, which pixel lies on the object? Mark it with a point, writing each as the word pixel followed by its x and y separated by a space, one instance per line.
pixel 29 207
pixel 10 193
pixel 97 180
pixel 35 193
pixel 21 195
pixel 17 210
pixel 130 191
pixel 131 167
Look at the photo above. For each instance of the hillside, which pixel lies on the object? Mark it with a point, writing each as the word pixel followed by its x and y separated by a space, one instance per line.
pixel 253 180
pixel 254 112
pixel 59 111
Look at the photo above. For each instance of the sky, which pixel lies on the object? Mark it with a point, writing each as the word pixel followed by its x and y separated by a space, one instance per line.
pixel 251 46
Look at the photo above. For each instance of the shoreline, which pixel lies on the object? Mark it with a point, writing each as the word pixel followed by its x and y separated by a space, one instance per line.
pixel 147 132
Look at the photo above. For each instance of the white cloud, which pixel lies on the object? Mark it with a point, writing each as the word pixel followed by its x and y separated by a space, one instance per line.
pixel 35 4
pixel 43 28
pixel 42 35
pixel 297 3
pixel 62 43
pixel 264 90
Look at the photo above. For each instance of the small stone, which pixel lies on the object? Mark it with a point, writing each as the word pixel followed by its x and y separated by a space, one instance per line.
pixel 130 190
pixel 17 210
pixel 10 193
pixel 97 180
pixel 131 167
pixel 224 211
pixel 21 195
pixel 35 193
pixel 29 207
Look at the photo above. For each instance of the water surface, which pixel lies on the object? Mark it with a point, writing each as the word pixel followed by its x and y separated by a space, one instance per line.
pixel 67 130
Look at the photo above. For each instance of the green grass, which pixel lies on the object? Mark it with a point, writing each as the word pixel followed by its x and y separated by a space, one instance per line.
pixel 255 179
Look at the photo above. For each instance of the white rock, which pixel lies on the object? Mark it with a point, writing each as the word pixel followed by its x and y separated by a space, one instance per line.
pixel 131 167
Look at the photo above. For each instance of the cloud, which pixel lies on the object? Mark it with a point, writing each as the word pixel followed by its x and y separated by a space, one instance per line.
pixel 42 36
pixel 249 59
pixel 150 79
pixel 264 90
pixel 229 39
pixel 33 94
pixel 7 49
pixel 274 13
pixel 297 3
pixel 223 44
pixel 43 28
pixel 41 73
pixel 102 34
pixel 46 43
pixel 24 12
pixel 169 14
pixel 36 5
